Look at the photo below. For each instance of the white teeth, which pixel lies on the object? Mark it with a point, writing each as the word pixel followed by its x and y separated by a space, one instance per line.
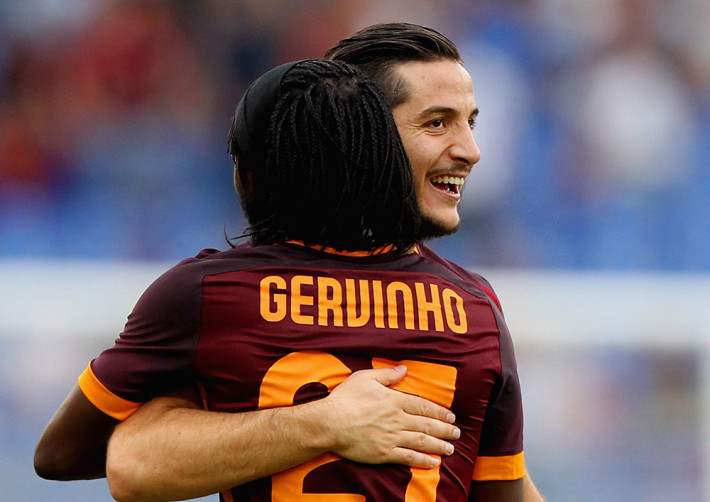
pixel 448 180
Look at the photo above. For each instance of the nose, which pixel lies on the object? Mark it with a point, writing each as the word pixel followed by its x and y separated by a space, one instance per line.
pixel 464 149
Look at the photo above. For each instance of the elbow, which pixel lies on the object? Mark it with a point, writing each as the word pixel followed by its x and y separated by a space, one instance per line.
pixel 121 491
pixel 59 462
pixel 124 474
pixel 121 487
pixel 45 468
pixel 50 465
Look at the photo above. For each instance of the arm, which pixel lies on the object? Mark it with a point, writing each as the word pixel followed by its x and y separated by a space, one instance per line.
pixel 523 490
pixel 169 449
pixel 497 491
pixel 73 445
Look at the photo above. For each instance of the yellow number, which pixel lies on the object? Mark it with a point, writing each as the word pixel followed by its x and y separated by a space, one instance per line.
pixel 437 383
pixel 431 381
pixel 278 388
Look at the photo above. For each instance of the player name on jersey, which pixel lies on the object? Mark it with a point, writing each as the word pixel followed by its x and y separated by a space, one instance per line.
pixel 349 302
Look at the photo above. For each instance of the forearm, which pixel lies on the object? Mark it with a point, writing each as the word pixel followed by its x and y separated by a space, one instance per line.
pixel 73 445
pixel 175 453
pixel 505 491
pixel 171 449
pixel 497 491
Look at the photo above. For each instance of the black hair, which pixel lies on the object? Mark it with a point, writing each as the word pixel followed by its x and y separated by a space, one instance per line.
pixel 333 171
pixel 378 49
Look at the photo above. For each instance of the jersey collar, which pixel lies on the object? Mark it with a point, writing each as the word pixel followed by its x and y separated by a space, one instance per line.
pixel 379 251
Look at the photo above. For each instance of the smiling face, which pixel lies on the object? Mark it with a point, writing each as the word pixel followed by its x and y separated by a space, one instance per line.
pixel 436 126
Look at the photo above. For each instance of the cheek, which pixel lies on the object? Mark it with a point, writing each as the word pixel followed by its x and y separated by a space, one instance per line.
pixel 418 160
pixel 419 171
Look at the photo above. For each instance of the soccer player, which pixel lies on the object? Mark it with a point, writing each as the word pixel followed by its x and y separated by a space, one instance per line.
pixel 423 77
pixel 330 284
pixel 442 151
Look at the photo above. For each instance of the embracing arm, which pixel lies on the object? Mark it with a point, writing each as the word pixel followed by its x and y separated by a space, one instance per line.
pixel 497 491
pixel 170 449
pixel 73 445
pixel 523 490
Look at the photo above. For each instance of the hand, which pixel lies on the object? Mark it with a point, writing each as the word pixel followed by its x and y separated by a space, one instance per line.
pixel 374 424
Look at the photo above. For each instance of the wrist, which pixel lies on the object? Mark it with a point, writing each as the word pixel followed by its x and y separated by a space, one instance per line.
pixel 316 429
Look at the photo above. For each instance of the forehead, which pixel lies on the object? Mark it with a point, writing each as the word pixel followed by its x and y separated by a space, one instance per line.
pixel 443 83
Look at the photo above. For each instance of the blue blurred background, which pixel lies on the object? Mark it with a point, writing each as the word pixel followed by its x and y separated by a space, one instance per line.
pixel 595 171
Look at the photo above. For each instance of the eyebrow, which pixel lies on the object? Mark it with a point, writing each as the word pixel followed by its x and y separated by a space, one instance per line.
pixel 433 110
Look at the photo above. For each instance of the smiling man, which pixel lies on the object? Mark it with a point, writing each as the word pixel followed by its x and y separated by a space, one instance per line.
pixel 435 124
pixel 431 95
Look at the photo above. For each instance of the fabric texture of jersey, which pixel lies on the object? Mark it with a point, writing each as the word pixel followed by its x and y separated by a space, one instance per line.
pixel 259 327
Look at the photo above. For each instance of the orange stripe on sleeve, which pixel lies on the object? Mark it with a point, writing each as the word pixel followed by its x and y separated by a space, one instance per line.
pixel 104 399
pixel 506 468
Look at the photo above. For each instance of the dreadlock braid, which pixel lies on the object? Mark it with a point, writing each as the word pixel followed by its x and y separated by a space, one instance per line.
pixel 335 171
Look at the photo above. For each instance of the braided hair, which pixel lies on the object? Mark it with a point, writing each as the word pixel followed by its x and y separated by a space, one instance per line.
pixel 333 171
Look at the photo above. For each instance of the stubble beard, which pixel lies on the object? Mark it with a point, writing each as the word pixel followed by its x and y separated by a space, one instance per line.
pixel 432 229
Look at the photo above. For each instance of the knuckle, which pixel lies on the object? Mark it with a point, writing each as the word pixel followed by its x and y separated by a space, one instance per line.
pixel 409 456
pixel 426 428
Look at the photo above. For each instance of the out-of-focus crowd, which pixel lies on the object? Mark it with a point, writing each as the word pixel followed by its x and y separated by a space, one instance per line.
pixel 594 126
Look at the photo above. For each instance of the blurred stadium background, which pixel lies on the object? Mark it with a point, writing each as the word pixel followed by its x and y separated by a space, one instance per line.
pixel 589 211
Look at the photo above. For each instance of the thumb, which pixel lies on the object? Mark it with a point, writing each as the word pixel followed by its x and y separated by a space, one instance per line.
pixel 389 376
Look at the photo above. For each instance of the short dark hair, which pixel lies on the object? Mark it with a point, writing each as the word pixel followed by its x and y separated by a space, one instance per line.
pixel 379 48
pixel 333 171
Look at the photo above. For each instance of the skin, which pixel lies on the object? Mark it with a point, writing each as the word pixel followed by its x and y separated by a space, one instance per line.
pixel 73 445
pixel 436 126
pixel 146 463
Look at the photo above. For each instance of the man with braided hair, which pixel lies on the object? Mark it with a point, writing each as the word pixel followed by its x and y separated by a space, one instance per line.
pixel 377 200
pixel 359 449
pixel 331 284
pixel 333 171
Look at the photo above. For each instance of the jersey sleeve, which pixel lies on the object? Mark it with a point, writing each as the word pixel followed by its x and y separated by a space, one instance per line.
pixel 500 454
pixel 154 352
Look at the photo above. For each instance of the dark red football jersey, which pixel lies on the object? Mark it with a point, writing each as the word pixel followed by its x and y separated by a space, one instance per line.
pixel 259 327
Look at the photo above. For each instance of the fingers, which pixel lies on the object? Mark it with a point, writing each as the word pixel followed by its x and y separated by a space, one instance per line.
pixel 413 458
pixel 424 443
pixel 418 449
pixel 387 425
pixel 387 376
pixel 411 404
pixel 433 428
pixel 414 405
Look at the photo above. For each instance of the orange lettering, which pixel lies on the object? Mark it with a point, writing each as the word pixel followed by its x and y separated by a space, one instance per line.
pixel 378 304
pixel 355 321
pixel 266 298
pixel 451 301
pixel 408 304
pixel 424 307
pixel 330 303
pixel 299 300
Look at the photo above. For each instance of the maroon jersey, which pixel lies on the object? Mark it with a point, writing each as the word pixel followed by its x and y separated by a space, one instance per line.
pixel 260 327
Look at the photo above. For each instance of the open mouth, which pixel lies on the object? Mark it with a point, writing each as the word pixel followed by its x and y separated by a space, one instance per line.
pixel 448 184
